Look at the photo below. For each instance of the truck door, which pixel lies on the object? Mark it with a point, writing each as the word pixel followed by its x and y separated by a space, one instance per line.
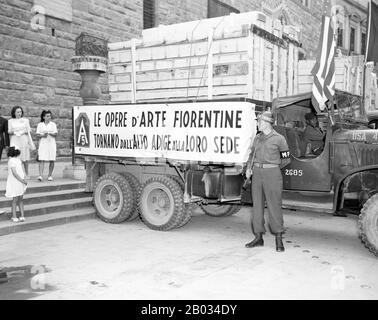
pixel 309 172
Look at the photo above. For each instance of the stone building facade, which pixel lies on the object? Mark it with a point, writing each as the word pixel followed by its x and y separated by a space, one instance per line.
pixel 37 42
pixel 352 26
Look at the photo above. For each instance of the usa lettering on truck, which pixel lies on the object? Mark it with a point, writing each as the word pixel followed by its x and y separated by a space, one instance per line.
pixel 186 131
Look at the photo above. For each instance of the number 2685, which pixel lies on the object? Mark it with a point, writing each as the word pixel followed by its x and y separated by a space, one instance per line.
pixel 294 172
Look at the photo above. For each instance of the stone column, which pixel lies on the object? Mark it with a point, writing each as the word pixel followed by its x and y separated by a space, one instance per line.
pixel 90 61
pixel 90 68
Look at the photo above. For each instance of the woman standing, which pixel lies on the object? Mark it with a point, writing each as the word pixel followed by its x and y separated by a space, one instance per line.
pixel 46 131
pixel 16 183
pixel 19 131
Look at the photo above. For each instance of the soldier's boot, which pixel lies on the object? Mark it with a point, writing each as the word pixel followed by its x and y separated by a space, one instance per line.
pixel 257 242
pixel 279 244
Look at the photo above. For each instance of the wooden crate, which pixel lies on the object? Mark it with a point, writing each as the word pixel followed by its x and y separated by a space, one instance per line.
pixel 371 95
pixel 348 74
pixel 240 55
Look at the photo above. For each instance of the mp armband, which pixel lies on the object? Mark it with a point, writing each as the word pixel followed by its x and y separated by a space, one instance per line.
pixel 285 154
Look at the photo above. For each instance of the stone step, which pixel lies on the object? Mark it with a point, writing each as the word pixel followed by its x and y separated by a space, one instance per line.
pixel 48 208
pixel 34 198
pixel 48 186
pixel 48 220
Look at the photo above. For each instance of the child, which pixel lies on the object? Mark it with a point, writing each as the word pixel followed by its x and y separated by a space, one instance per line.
pixel 16 183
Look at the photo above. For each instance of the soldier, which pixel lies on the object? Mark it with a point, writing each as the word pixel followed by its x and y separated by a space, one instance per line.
pixel 313 134
pixel 269 153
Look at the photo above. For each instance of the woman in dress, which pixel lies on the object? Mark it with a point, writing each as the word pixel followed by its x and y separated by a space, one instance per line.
pixel 46 131
pixel 16 183
pixel 19 132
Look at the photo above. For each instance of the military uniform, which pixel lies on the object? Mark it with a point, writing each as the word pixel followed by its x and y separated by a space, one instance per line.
pixel 315 136
pixel 269 153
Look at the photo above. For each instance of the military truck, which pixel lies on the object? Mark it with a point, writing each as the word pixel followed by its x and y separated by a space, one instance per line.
pixel 166 175
pixel 157 150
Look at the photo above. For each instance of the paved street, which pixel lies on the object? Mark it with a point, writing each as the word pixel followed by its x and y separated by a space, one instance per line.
pixel 206 259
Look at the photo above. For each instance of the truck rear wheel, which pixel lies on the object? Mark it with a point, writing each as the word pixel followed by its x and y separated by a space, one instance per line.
pixel 113 198
pixel 161 203
pixel 368 224
pixel 188 207
pixel 136 190
pixel 220 210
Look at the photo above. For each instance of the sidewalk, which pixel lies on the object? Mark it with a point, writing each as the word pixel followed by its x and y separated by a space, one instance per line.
pixel 46 203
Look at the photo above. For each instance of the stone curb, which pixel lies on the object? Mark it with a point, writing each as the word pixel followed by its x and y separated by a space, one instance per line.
pixel 49 222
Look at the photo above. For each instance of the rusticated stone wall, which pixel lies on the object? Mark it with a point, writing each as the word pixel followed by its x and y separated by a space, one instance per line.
pixel 35 62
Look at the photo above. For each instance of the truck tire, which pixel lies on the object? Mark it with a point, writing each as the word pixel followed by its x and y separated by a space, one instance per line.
pixel 368 224
pixel 222 210
pixel 161 203
pixel 113 198
pixel 136 191
pixel 179 181
pixel 188 207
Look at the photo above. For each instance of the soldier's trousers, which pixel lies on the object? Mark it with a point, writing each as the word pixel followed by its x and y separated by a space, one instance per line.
pixel 267 186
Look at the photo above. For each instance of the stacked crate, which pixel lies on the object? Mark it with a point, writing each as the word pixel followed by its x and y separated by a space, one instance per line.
pixel 349 77
pixel 348 74
pixel 240 55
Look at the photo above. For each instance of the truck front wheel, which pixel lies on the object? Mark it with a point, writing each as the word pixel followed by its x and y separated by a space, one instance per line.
pixel 221 210
pixel 161 203
pixel 368 224
pixel 113 198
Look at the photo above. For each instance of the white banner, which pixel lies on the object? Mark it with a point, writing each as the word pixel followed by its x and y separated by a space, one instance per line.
pixel 219 132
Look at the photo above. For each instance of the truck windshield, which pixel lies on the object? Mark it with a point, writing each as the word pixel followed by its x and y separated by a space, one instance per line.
pixel 350 107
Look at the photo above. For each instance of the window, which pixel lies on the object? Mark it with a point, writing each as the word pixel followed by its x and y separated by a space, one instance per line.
pixel 340 35
pixel 149 14
pixel 284 20
pixel 217 8
pixel 352 40
pixel 363 43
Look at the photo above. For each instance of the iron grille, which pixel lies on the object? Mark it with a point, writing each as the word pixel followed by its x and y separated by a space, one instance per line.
pixel 88 45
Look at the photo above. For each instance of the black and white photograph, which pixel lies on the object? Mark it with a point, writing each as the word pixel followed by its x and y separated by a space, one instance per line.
pixel 188 156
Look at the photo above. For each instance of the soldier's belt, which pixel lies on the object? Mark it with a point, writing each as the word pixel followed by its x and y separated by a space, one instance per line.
pixel 265 165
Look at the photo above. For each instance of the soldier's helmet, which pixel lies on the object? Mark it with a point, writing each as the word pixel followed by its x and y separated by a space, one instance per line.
pixel 266 116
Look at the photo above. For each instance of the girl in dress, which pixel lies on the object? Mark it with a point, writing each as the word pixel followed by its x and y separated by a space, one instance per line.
pixel 19 131
pixel 46 131
pixel 16 183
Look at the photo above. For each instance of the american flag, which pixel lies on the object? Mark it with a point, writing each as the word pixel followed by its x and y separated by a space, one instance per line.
pixel 323 87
